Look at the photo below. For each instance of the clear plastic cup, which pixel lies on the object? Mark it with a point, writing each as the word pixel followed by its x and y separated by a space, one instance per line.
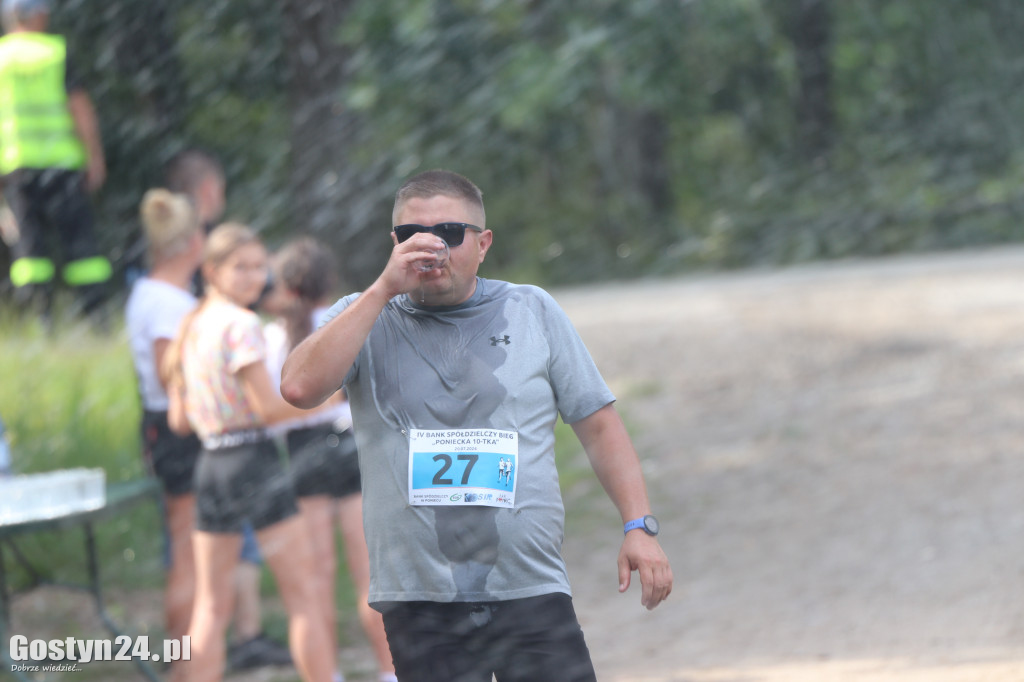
pixel 442 258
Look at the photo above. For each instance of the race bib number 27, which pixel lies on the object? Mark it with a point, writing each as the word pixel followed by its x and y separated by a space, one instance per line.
pixel 463 466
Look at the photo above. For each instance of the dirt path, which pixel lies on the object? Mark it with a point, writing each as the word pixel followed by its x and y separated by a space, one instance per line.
pixel 835 453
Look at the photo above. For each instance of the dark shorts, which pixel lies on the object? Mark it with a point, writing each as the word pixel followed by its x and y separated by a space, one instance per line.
pixel 168 456
pixel 521 640
pixel 242 483
pixel 323 461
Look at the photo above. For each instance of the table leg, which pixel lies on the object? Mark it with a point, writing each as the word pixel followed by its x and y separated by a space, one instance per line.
pixel 5 614
pixel 97 593
pixel 5 621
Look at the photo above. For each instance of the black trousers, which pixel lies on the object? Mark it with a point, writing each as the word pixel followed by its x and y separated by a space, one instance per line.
pixel 53 213
pixel 56 226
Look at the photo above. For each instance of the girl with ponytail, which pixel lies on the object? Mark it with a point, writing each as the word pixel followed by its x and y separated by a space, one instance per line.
pixel 220 389
pixel 323 461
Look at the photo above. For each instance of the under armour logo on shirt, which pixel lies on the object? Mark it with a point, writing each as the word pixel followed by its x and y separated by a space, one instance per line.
pixel 495 340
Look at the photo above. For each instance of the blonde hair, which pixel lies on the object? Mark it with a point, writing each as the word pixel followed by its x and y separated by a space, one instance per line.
pixel 225 239
pixel 170 223
pixel 220 244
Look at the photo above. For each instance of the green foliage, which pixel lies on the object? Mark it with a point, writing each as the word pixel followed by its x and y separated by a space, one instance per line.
pixel 611 139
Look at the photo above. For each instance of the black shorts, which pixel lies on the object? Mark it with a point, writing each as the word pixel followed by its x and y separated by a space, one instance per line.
pixel 242 483
pixel 521 640
pixel 323 461
pixel 168 456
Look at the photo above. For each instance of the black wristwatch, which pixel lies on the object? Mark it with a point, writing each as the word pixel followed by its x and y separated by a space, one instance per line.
pixel 647 524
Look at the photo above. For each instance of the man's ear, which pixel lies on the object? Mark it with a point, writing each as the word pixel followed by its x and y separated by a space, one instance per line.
pixel 486 237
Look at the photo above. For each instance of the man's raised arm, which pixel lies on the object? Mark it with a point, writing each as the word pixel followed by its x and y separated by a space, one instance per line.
pixel 316 367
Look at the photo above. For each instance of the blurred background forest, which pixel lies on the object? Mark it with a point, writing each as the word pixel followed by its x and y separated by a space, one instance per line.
pixel 612 139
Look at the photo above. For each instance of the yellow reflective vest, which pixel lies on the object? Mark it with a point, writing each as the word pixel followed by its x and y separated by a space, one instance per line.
pixel 36 129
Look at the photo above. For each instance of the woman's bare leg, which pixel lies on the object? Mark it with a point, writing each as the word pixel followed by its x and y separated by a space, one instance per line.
pixel 350 518
pixel 318 513
pixel 286 550
pixel 179 592
pixel 216 556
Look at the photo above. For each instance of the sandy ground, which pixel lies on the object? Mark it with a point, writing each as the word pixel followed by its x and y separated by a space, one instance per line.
pixel 835 453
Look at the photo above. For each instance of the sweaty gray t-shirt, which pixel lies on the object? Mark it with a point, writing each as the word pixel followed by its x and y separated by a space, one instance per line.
pixel 508 359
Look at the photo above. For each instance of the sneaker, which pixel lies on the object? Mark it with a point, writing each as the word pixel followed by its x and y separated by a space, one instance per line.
pixel 257 652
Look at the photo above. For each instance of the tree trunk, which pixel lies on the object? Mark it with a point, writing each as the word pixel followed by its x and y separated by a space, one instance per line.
pixel 330 198
pixel 808 23
pixel 653 175
pixel 147 53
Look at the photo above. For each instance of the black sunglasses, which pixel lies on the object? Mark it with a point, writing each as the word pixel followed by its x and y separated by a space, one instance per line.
pixel 451 233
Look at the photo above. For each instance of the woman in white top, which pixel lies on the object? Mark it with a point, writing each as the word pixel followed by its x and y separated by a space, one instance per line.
pixel 154 311
pixel 323 462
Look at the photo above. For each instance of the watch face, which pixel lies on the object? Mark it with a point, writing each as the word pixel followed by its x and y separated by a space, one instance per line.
pixel 651 524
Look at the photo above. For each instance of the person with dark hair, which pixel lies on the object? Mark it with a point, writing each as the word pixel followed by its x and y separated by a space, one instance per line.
pixel 322 458
pixel 51 157
pixel 447 374
pixel 199 176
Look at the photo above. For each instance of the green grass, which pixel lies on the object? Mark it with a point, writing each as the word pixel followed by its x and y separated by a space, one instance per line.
pixel 68 399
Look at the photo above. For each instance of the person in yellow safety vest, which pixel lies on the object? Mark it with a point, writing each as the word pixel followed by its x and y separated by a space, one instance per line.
pixel 51 157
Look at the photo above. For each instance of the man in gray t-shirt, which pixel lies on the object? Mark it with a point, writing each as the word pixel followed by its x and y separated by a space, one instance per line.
pixel 456 383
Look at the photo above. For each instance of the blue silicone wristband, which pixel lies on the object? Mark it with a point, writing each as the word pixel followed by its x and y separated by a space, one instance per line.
pixel 635 523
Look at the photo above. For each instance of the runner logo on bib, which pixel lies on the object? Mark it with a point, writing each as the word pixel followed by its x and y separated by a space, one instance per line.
pixel 463 466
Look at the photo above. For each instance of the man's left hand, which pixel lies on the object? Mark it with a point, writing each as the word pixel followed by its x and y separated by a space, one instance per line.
pixel 642 553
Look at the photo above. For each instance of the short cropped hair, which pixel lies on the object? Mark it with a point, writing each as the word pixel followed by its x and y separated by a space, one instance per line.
pixel 16 12
pixel 187 169
pixel 438 182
